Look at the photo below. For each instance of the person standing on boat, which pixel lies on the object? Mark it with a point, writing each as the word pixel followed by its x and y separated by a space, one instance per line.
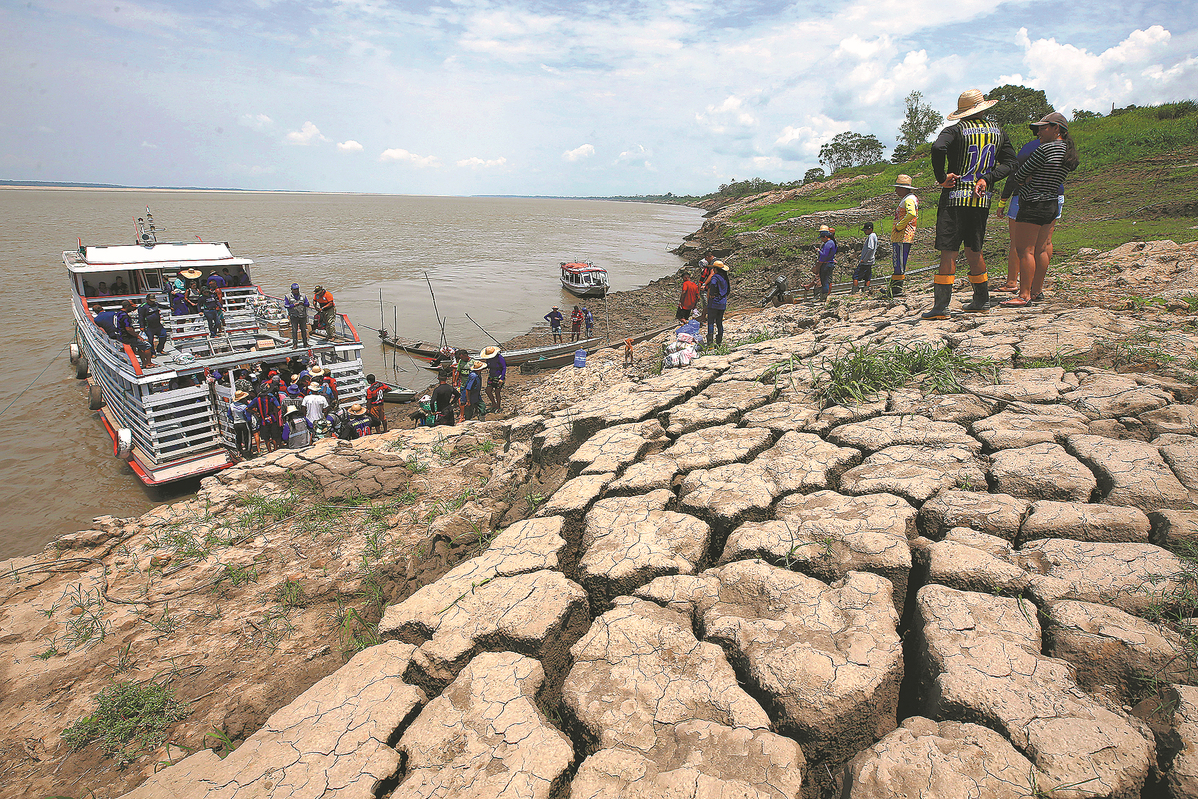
pixel 150 317
pixel 445 399
pixel 554 318
pixel 496 375
pixel 717 301
pixel 326 310
pixel 375 402
pixel 588 319
pixel 211 308
pixel 178 291
pixel 688 299
pixel 297 314
pixel 575 324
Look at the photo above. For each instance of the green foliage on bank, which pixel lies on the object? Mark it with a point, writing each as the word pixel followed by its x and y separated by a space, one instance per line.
pixel 1138 180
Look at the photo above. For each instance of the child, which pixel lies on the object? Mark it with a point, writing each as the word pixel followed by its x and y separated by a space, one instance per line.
pixel 628 352
pixel 906 216
pixel 869 249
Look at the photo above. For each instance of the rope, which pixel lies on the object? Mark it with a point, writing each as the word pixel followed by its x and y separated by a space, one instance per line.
pixel 39 377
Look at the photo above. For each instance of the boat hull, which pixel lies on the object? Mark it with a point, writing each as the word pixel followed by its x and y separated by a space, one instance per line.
pixel 585 291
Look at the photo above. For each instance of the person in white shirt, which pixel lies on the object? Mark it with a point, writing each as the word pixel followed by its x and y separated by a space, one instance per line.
pixel 314 407
pixel 869 253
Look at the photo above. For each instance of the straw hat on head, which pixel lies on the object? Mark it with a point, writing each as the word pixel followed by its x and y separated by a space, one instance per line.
pixel 357 408
pixel 316 371
pixel 190 274
pixel 720 266
pixel 240 395
pixel 477 366
pixel 823 228
pixel 489 353
pixel 971 103
pixel 903 182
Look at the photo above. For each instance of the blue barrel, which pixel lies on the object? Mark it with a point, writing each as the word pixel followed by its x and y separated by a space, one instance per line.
pixel 580 358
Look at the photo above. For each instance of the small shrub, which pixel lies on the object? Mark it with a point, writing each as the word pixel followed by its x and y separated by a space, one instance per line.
pixel 129 719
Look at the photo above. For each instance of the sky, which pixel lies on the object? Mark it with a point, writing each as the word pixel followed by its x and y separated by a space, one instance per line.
pixel 470 97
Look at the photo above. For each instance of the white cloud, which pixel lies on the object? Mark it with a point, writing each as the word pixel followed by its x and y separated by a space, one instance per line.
pixel 579 153
pixel 476 162
pixel 149 146
pixel 802 142
pixel 403 156
pixel 1137 69
pixel 729 114
pixel 307 134
pixel 255 121
pixel 349 146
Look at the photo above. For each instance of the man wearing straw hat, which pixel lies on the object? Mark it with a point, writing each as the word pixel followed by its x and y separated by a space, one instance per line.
pixel 968 158
pixel 496 375
pixel 902 236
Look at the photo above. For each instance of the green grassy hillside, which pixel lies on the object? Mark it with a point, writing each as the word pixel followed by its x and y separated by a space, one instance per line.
pixel 1138 181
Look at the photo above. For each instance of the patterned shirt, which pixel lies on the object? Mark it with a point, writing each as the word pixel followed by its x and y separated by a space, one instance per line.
pixel 906 216
pixel 973 149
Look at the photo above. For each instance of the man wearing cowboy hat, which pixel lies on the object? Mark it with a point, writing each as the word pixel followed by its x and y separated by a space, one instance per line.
pixel 554 318
pixel 902 235
pixel 968 158
pixel 496 374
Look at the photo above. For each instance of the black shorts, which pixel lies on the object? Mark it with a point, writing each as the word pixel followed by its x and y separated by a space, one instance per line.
pixel 960 224
pixel 271 431
pixel 682 315
pixel 864 272
pixel 1039 213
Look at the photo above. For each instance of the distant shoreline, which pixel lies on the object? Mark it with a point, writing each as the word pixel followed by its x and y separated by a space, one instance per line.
pixel 64 186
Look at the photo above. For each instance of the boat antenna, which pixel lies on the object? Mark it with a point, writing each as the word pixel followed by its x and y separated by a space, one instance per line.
pixel 480 327
pixel 436 311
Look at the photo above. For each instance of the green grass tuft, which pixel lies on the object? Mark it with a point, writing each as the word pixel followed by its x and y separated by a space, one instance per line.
pixel 129 719
pixel 866 371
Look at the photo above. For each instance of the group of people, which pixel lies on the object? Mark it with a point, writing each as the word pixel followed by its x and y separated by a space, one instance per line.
pixel 708 297
pixel 458 395
pixel 118 325
pixel 297 306
pixel 295 404
pixel 969 158
pixel 579 318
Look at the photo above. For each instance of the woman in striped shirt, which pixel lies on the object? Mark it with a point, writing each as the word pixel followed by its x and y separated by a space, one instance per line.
pixel 1039 179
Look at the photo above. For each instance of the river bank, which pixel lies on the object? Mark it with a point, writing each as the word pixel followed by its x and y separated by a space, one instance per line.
pixel 615 507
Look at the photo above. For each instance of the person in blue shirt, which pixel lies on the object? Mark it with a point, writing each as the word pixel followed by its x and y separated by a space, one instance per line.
pixel 717 301
pixel 127 334
pixel 105 320
pixel 242 420
pixel 472 391
pixel 149 315
pixel 827 261
pixel 211 308
pixel 554 318
pixel 589 319
pixel 297 314
pixel 496 375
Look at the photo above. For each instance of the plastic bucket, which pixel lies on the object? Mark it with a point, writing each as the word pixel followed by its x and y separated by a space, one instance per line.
pixel 580 358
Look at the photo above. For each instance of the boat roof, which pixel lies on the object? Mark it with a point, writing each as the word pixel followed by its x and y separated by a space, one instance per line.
pixel 167 256
pixel 581 266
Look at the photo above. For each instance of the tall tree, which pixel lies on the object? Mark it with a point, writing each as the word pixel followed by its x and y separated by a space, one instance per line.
pixel 813 175
pixel 1017 105
pixel 850 149
pixel 919 122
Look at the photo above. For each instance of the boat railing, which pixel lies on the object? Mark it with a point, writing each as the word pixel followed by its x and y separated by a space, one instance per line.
pixel 351 382
pixel 181 422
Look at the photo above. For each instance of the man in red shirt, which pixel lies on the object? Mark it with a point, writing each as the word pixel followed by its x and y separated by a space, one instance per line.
pixel 688 299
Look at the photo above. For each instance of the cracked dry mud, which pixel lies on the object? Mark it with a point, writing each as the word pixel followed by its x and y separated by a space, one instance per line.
pixel 730 591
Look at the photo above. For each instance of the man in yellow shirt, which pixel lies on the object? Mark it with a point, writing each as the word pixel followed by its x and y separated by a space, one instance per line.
pixel 906 216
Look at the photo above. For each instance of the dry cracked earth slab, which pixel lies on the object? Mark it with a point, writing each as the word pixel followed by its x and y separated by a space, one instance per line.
pixel 485 736
pixel 981 660
pixel 827 658
pixel 719 403
pixel 331 741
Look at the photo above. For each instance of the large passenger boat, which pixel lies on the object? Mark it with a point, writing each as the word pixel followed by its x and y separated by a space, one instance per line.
pixel 170 419
pixel 584 279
